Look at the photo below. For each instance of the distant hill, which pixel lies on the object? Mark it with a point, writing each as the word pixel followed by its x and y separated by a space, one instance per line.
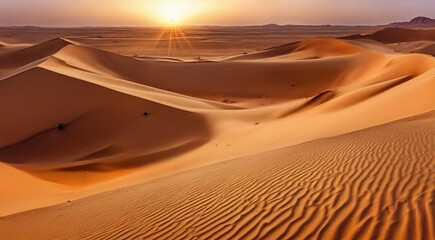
pixel 415 22
pixel 271 25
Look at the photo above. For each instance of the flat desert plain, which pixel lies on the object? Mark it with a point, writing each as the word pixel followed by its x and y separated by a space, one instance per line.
pixel 217 133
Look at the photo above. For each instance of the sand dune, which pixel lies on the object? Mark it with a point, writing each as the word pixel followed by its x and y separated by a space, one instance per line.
pixel 120 118
pixel 82 121
pixel 353 186
pixel 428 49
pixel 399 40
pixel 306 49
pixel 394 35
pixel 107 90
pixel 31 54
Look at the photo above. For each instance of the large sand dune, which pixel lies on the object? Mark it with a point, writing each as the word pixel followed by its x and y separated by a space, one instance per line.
pixel 394 35
pixel 376 183
pixel 402 40
pixel 79 121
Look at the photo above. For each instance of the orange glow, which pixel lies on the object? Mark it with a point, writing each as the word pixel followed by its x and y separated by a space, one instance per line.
pixel 207 12
pixel 174 12
pixel 174 38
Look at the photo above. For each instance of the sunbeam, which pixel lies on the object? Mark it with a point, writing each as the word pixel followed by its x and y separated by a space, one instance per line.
pixel 175 41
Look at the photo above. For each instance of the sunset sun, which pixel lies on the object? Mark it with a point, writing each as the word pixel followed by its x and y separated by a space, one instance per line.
pixel 173 12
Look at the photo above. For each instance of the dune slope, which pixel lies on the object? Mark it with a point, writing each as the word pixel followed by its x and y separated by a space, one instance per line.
pixel 376 183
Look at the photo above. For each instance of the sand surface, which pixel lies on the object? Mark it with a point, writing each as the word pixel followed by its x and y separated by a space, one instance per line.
pixel 376 183
pixel 321 138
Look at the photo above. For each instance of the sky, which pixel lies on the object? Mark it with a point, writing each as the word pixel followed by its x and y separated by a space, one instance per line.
pixel 209 12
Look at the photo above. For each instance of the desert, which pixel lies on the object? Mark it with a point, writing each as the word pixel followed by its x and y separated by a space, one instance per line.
pixel 218 132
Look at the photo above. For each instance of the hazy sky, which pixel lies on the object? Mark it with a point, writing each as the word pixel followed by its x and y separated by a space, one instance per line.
pixel 209 12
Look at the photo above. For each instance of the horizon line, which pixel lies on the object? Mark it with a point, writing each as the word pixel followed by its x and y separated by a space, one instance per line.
pixel 205 25
pixel 213 25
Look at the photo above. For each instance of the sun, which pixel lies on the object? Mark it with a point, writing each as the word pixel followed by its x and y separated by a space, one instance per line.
pixel 173 13
pixel 176 12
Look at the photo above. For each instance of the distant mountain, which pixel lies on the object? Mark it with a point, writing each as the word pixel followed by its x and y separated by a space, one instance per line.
pixel 271 25
pixel 415 22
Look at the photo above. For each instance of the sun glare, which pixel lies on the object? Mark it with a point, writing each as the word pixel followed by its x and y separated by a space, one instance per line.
pixel 176 12
pixel 173 13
